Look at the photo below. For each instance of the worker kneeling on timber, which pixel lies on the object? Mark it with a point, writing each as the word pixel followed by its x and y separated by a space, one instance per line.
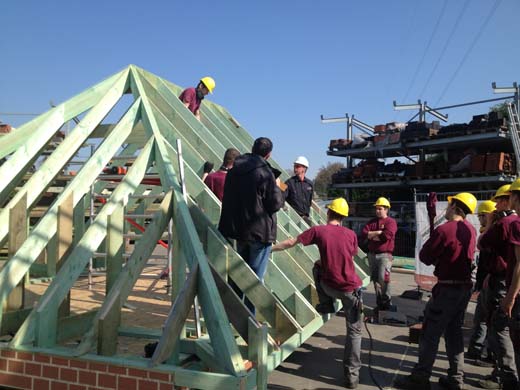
pixel 451 249
pixel 380 233
pixel 335 278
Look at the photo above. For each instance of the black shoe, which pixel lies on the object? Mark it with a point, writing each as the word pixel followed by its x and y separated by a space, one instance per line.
pixel 412 382
pixel 450 383
pixel 325 308
pixel 476 359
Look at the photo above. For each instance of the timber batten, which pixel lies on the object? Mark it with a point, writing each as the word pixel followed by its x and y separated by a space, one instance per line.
pixel 89 222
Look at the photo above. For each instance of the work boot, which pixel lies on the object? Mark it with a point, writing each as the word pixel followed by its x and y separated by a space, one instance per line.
pixel 351 383
pixel 475 358
pixel 489 382
pixel 325 308
pixel 413 382
pixel 449 383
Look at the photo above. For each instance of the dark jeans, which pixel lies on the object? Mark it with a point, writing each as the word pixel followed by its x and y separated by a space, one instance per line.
pixel 256 255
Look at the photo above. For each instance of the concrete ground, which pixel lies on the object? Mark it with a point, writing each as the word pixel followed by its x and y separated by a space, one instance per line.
pixel 317 364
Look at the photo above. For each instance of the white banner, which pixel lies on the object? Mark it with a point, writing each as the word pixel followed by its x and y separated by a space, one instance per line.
pixel 424 273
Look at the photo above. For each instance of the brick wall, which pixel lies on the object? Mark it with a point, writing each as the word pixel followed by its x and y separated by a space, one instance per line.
pixel 35 371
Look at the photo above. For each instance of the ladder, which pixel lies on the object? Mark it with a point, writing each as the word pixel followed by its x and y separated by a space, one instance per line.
pixel 514 130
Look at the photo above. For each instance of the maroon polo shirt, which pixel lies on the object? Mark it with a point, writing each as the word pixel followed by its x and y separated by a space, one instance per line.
pixel 215 181
pixel 189 95
pixel 387 238
pixel 451 248
pixel 501 239
pixel 337 245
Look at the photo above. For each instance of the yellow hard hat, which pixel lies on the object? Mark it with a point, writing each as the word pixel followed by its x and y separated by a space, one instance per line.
pixel 339 206
pixel 466 199
pixel 382 202
pixel 486 207
pixel 515 186
pixel 209 83
pixel 502 191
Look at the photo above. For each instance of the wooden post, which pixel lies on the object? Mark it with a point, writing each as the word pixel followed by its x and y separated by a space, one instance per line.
pixel 17 235
pixel 64 242
pixel 108 329
pixel 257 352
pixel 115 245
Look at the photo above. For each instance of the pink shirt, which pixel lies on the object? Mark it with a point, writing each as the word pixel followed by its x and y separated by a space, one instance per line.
pixel 451 248
pixel 386 242
pixel 501 240
pixel 189 95
pixel 337 245
pixel 215 181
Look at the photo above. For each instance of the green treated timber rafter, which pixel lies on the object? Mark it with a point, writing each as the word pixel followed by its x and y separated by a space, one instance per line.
pixel 53 165
pixel 69 109
pixel 127 278
pixel 36 328
pixel 212 307
pixel 17 267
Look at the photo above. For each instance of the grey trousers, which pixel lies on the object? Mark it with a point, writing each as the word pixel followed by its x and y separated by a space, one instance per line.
pixel 352 307
pixel 380 269
pixel 477 342
pixel 443 314
pixel 499 333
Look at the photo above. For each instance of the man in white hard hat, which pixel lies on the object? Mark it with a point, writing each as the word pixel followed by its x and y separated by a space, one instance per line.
pixel 299 189
pixel 192 97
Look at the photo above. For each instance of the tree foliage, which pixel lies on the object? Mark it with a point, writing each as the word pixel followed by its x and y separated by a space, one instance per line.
pixel 324 179
pixel 502 108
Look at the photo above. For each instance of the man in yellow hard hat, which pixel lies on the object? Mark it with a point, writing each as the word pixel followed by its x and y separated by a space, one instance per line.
pixel 451 249
pixel 499 239
pixel 479 349
pixel 380 234
pixel 335 278
pixel 192 97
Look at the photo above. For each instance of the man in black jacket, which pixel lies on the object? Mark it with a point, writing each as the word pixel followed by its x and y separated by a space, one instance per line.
pixel 251 199
pixel 299 190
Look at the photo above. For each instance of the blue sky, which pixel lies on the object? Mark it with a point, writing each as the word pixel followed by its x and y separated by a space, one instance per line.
pixel 278 65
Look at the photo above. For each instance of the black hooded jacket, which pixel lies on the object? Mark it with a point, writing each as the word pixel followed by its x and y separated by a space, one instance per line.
pixel 251 200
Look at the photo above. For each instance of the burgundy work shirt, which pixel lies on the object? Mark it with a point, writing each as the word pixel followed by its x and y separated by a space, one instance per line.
pixel 215 181
pixel 451 248
pixel 337 245
pixel 501 239
pixel 189 95
pixel 386 242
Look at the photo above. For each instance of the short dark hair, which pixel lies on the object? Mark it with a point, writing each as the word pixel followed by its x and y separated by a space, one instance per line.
pixel 229 156
pixel 460 208
pixel 334 215
pixel 262 146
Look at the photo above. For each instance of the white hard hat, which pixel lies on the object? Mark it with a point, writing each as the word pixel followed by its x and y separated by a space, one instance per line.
pixel 302 161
